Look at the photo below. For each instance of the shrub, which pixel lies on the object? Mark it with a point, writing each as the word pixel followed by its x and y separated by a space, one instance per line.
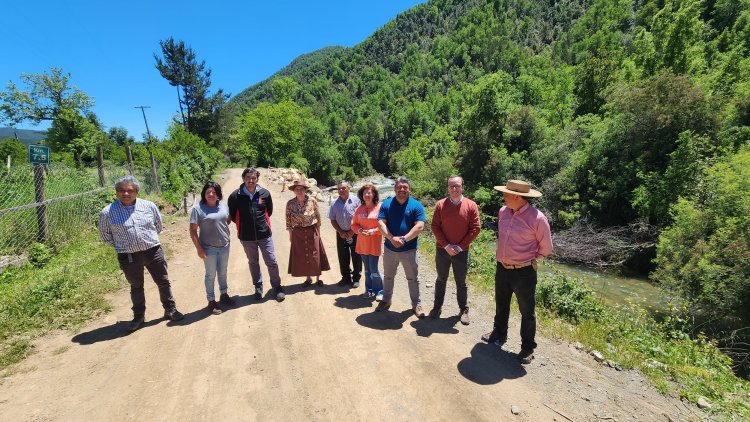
pixel 568 297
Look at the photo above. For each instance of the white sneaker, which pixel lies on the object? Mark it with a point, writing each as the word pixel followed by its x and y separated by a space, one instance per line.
pixel 379 297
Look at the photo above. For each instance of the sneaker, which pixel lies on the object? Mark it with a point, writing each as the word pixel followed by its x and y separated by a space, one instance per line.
pixel 493 337
pixel 367 295
pixel 214 307
pixel 526 356
pixel 258 292
pixel 435 312
pixel 280 296
pixel 464 316
pixel 418 312
pixel 355 284
pixel 224 299
pixel 383 306
pixel 173 314
pixel 379 297
pixel 135 324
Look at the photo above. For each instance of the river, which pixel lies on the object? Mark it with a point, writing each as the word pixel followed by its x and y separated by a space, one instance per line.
pixel 614 289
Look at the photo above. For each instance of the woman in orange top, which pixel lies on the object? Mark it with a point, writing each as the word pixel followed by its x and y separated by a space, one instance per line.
pixel 370 240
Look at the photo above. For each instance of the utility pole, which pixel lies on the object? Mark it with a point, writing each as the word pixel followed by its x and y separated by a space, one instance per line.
pixel 154 175
pixel 148 132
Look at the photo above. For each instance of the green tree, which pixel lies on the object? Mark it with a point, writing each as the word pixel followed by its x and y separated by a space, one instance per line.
pixel 45 97
pixel 200 111
pixel 13 148
pixel 71 132
pixel 284 89
pixel 705 254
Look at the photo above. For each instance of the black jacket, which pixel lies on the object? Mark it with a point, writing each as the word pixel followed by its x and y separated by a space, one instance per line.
pixel 251 215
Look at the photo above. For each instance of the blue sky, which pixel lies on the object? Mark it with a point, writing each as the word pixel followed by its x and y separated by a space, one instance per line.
pixel 108 46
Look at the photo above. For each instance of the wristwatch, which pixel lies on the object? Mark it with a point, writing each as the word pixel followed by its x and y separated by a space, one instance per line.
pixel 403 239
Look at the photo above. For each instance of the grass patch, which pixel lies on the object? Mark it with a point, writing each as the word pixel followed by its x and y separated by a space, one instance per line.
pixel 67 291
pixel 675 363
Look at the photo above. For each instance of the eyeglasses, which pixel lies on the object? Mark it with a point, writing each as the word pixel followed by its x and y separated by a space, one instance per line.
pixel 131 191
pixel 454 186
pixel 250 178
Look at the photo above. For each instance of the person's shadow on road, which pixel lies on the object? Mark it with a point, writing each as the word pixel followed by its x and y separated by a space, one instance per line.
pixel 353 302
pixel 385 320
pixel 109 332
pixel 426 327
pixel 490 364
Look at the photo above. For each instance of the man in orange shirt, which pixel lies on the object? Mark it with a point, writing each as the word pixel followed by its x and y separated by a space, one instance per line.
pixel 455 225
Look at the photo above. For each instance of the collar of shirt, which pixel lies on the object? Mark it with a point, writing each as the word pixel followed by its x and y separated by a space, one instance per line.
pixel 457 201
pixel 247 192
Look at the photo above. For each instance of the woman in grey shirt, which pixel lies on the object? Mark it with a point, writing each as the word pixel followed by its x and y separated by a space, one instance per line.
pixel 209 230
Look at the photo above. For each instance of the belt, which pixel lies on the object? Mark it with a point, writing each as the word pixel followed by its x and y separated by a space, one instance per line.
pixel 517 266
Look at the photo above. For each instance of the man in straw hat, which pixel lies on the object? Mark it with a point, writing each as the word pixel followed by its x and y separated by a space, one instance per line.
pixel 523 237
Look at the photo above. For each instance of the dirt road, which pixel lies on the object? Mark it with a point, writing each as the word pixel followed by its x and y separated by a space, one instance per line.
pixel 322 354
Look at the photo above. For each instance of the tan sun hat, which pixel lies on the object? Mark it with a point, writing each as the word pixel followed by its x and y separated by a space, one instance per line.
pixel 299 182
pixel 519 187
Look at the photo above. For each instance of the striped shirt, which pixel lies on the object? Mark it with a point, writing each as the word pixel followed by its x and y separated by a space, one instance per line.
pixel 132 228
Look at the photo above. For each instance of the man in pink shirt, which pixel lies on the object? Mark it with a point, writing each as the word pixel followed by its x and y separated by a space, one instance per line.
pixel 523 237
pixel 455 224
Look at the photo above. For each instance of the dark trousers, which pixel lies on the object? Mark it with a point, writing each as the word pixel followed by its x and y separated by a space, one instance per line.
pixel 522 282
pixel 346 251
pixel 153 260
pixel 443 263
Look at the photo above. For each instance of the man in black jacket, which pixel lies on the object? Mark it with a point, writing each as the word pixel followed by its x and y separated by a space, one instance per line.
pixel 250 207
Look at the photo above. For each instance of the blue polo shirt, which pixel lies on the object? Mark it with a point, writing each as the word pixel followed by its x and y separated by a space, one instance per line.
pixel 400 219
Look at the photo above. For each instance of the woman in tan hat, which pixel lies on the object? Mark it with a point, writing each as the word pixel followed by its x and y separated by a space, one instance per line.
pixel 307 257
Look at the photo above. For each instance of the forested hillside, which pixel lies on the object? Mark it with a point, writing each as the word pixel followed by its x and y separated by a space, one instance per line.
pixel 625 113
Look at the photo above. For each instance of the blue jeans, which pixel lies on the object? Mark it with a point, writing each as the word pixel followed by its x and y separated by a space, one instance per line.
pixel 216 264
pixel 373 281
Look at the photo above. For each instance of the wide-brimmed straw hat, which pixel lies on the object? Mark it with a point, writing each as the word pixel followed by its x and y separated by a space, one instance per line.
pixel 299 182
pixel 519 187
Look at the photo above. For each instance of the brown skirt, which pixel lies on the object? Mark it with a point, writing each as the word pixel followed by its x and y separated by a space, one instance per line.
pixel 307 257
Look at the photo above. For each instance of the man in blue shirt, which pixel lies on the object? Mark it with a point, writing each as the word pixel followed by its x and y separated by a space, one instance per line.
pixel 132 227
pixel 340 214
pixel 401 220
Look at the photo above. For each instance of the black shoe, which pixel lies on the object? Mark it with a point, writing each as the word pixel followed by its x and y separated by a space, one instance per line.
pixel 344 282
pixel 135 324
pixel 493 337
pixel 355 284
pixel 258 293
pixel 173 314
pixel 279 292
pixel 213 307
pixel 224 299
pixel 526 356
pixel 435 312
pixel 383 306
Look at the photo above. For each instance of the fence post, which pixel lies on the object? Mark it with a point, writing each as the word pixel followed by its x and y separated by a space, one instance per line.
pixel 184 203
pixel 8 162
pixel 100 165
pixel 154 175
pixel 130 159
pixel 41 210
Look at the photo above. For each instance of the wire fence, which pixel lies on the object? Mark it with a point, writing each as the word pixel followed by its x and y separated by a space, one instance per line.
pixel 56 205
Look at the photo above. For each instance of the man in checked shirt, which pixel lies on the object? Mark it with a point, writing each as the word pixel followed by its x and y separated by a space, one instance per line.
pixel 132 227
pixel 523 237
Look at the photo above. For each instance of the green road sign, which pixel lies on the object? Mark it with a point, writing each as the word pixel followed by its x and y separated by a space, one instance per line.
pixel 38 154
